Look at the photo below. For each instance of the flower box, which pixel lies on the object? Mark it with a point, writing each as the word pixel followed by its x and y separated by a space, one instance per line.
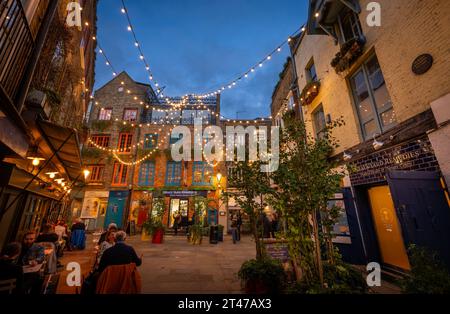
pixel 350 51
pixel 310 92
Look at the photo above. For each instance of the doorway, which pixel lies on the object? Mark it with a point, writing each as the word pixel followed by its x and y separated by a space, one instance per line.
pixel 180 206
pixel 387 227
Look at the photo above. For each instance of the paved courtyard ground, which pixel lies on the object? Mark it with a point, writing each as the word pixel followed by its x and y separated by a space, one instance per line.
pixel 177 266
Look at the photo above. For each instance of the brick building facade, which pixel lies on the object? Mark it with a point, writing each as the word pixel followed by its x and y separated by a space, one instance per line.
pixel 382 81
pixel 135 188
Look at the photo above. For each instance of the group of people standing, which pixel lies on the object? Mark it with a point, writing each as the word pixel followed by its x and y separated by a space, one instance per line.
pixel 270 224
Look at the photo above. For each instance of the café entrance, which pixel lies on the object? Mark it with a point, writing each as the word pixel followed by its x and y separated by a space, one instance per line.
pixel 180 206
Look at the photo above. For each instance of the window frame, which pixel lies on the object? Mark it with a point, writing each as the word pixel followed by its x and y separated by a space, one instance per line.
pixel 376 113
pixel 154 136
pixel 122 174
pixel 102 110
pixel 340 27
pixel 172 168
pixel 100 139
pixel 310 78
pixel 93 170
pixel 135 110
pixel 147 174
pixel 317 132
pixel 127 143
pixel 203 167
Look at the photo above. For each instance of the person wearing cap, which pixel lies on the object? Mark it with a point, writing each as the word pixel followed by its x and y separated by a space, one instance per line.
pixel 111 227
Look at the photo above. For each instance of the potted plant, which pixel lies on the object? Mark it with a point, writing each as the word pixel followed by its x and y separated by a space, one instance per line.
pixel 350 51
pixel 147 227
pixel 157 231
pixel 262 276
pixel 195 234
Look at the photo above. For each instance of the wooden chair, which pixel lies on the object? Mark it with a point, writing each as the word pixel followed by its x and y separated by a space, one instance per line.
pixel 7 286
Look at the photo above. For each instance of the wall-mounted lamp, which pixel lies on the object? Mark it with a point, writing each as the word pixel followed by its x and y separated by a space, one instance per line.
pixel 377 144
pixel 33 155
pixel 347 156
pixel 52 175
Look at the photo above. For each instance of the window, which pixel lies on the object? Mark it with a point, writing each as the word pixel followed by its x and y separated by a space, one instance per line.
pixel 372 99
pixel 311 73
pixel 349 26
pixel 174 139
pixel 100 140
pixel 147 174
pixel 105 114
pixel 120 173
pixel 173 173
pixel 158 117
pixel 125 140
pixel 205 116
pixel 201 173
pixel 96 173
pixel 130 115
pixel 291 103
pixel 319 122
pixel 188 116
pixel 150 141
pixel 174 117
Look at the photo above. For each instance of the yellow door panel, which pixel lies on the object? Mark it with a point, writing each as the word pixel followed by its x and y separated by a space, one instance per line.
pixel 387 227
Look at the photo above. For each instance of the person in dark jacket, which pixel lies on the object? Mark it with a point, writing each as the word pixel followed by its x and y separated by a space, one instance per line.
pixel 47 235
pixel 9 269
pixel 119 254
pixel 112 227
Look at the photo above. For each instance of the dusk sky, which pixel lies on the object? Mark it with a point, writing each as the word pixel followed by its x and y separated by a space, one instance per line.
pixel 196 46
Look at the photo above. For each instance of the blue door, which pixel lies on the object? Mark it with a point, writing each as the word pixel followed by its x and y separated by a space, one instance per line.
pixel 423 210
pixel 116 206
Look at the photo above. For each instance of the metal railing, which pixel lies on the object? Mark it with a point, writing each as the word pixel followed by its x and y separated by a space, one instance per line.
pixel 16 45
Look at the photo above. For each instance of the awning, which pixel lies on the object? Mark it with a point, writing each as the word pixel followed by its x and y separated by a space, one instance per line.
pixel 64 144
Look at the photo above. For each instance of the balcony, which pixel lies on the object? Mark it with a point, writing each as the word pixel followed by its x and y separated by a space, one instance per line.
pixel 310 92
pixel 16 45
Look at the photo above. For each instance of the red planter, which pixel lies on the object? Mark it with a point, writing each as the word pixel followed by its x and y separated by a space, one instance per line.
pixel 158 237
pixel 255 286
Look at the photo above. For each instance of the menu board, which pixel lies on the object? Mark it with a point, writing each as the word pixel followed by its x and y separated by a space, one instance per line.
pixel 278 250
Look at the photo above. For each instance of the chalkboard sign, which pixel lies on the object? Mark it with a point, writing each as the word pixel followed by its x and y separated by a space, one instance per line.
pixel 132 228
pixel 277 250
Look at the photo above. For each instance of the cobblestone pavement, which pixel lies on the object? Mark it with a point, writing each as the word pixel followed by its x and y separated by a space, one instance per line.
pixel 180 267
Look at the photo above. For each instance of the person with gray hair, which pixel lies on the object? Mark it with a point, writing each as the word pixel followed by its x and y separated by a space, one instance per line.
pixel 119 254
pixel 111 227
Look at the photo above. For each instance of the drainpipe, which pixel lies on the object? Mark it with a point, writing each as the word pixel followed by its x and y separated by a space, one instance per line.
pixel 35 56
pixel 294 86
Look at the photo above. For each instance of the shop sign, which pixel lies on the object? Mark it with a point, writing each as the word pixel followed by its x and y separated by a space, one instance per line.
pixel 412 156
pixel 184 193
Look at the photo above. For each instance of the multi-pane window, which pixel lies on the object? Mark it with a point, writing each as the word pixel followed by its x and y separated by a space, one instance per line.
pixel 174 139
pixel 147 174
pixel 372 99
pixel 188 117
pixel 150 141
pixel 158 117
pixel 349 26
pixel 105 114
pixel 120 173
pixel 100 140
pixel 174 117
pixel 96 173
pixel 311 72
pixel 125 140
pixel 201 173
pixel 130 115
pixel 319 122
pixel 173 173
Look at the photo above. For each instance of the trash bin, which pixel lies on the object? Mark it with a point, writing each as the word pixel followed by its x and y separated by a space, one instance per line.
pixel 213 234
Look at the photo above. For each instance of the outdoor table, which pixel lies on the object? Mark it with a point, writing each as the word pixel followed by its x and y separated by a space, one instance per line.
pixel 32 269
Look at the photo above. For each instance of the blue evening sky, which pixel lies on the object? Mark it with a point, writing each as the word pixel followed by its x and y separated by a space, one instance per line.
pixel 196 46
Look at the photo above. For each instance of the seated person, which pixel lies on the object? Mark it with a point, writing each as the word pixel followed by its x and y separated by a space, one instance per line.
pixel 78 237
pixel 8 267
pixel 112 227
pixel 47 235
pixel 119 254
pixel 31 253
pixel 108 243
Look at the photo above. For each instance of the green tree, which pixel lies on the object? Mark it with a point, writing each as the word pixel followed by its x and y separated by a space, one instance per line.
pixel 305 181
pixel 252 186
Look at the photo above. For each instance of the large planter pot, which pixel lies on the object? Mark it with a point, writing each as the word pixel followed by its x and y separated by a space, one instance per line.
pixel 145 236
pixel 256 286
pixel 158 237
